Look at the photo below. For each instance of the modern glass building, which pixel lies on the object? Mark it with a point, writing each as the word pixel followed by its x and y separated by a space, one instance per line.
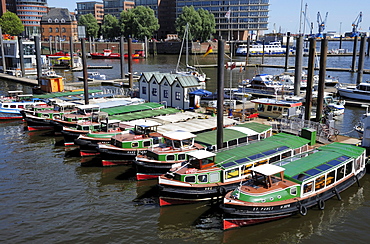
pixel 115 7
pixel 30 13
pixel 235 19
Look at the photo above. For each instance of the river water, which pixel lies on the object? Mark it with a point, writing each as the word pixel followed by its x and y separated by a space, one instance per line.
pixel 48 197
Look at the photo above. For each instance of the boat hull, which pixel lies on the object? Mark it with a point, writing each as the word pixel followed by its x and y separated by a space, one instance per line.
pixel 238 215
pixel 147 170
pixel 172 195
pixel 118 157
pixel 350 93
pixel 10 115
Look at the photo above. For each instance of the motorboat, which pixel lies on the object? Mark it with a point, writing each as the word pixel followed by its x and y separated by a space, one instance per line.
pixel 91 76
pixel 360 91
pixel 258 48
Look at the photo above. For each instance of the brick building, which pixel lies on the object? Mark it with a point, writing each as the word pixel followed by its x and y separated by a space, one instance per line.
pixel 59 24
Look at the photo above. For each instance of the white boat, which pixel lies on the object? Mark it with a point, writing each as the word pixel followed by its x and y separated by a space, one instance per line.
pixel 360 92
pixel 333 105
pixel 258 48
pixel 91 76
pixel 189 70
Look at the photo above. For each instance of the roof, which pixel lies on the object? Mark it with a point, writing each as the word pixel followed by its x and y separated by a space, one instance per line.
pixel 284 103
pixel 188 81
pixel 58 13
pixel 200 154
pixel 258 127
pixel 158 76
pixel 170 78
pixel 321 160
pixel 268 169
pixel 131 108
pixel 64 94
pixel 259 150
pixel 179 135
pixel 148 75
pixel 146 114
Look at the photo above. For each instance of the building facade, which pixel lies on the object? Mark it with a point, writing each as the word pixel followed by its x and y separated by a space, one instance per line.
pixel 59 24
pixel 115 7
pixel 93 7
pixel 235 19
pixel 30 13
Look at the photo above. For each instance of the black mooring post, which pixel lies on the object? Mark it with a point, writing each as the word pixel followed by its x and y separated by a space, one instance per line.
pixel 354 54
pixel 310 75
pixel 322 75
pixel 220 93
pixel 298 65
pixel 84 67
pixel 361 60
pixel 38 59
pixel 122 58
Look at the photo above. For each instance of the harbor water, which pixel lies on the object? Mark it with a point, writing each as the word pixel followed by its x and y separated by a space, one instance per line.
pixel 48 197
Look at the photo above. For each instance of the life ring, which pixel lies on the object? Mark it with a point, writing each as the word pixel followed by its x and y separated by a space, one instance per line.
pixel 222 191
pixel 321 204
pixel 303 210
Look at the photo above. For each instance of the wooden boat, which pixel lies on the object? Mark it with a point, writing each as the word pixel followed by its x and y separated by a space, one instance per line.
pixel 41 117
pixel 124 148
pixel 293 185
pixel 160 159
pixel 208 176
pixel 104 126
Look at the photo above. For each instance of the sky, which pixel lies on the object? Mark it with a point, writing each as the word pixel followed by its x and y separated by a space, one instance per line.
pixel 285 14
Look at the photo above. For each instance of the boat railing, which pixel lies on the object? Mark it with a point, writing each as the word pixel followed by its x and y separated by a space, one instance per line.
pixel 324 133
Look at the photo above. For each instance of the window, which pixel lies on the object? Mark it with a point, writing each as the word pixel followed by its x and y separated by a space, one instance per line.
pixel 307 188
pixel 146 143
pixel 56 29
pixel 349 167
pixel 214 177
pixel 134 144
pixel 62 21
pixel 177 95
pixel 170 157
pixel 293 191
pixel 50 29
pixel 56 21
pixel 319 182
pixel 190 179
pixel 232 173
pixel 202 178
pixel 340 173
pixel 181 157
pixel 165 93
pixel 50 20
pixel 154 92
pixel 330 178
pixel 63 30
pixel 143 89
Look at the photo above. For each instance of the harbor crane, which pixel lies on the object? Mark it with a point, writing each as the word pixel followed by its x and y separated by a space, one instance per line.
pixel 355 24
pixel 321 24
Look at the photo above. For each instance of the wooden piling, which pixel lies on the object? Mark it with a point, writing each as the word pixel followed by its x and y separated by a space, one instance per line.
pixel 322 75
pixel 361 60
pixel 220 92
pixel 310 74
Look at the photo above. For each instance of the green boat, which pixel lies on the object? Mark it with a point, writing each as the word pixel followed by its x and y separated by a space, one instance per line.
pixel 293 185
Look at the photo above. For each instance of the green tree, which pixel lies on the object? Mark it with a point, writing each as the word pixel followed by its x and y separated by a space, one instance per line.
pixel 11 24
pixel 190 16
pixel 208 24
pixel 139 22
pixel 91 25
pixel 110 27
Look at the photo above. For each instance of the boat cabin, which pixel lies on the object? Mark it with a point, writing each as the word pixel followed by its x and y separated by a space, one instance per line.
pixel 277 109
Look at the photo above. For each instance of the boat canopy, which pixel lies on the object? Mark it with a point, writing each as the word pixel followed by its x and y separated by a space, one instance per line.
pixel 200 154
pixel 179 135
pixel 268 169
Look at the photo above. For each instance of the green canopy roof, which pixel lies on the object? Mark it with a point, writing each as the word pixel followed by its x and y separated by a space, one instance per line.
pixel 64 94
pixel 131 108
pixel 144 114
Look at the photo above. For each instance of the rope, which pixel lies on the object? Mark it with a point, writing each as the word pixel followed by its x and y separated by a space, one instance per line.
pixel 347 132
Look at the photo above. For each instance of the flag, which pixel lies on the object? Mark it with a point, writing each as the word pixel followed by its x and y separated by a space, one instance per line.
pixel 209 50
pixel 233 66
pixel 227 15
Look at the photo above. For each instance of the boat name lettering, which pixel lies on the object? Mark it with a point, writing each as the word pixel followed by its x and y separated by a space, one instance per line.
pixel 285 206
pixel 263 209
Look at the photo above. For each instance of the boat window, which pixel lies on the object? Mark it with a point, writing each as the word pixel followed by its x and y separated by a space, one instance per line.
pixel 190 179
pixel 293 191
pixel 260 107
pixel 56 116
pixel 274 159
pixel 202 178
pixel 269 108
pixel 340 173
pixel 170 157
pixel 146 143
pixel 319 182
pixel 307 187
pixel 358 164
pixel 155 140
pixel 214 177
pixel 275 108
pixel 232 173
pixel 247 169
pixel 287 154
pixel 13 106
pixel 176 144
pixel 280 109
pixel 349 168
pixel 45 115
pixel 134 144
pixel 330 178
pixel 181 156
pixel 20 106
